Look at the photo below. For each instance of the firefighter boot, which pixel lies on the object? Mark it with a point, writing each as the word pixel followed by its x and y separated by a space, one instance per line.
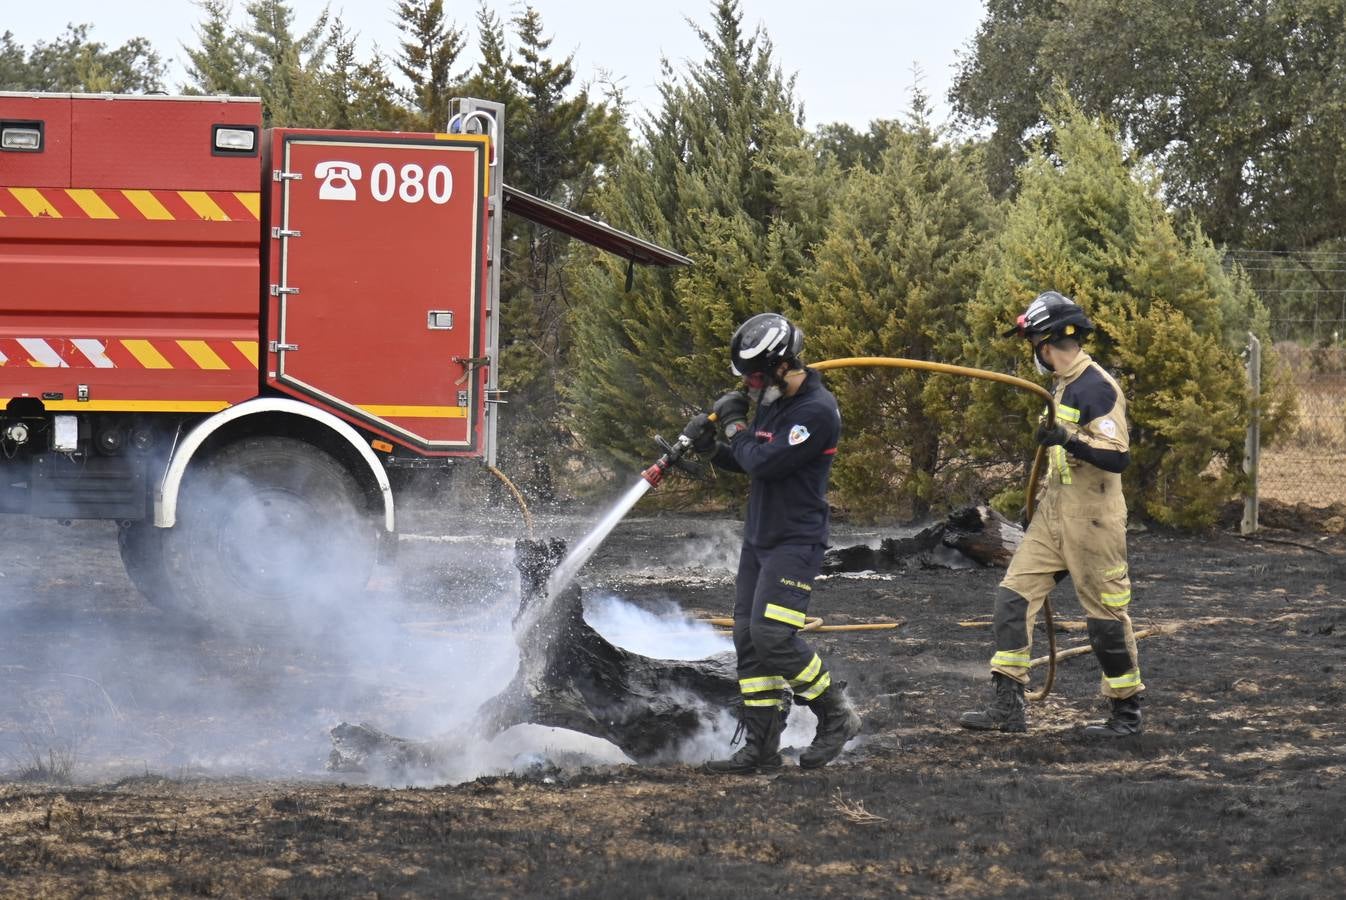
pixel 761 725
pixel 1124 721
pixel 838 722
pixel 1006 712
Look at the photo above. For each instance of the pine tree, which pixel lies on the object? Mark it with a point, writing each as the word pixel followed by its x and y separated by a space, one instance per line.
pixel 429 52
pixel 903 255
pixel 491 79
pixel 218 65
pixel 285 66
pixel 1171 321
pixel 359 95
pixel 722 174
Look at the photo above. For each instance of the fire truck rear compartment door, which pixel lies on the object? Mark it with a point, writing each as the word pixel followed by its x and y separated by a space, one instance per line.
pixel 376 304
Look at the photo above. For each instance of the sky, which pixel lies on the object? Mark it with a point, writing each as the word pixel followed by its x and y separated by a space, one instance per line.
pixel 854 59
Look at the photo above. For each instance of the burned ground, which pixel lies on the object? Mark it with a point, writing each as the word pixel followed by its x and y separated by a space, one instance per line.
pixel 1235 788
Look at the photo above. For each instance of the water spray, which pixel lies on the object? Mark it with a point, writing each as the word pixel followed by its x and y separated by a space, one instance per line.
pixel 672 458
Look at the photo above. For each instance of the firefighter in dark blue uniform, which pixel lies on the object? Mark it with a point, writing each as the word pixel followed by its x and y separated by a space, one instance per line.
pixel 787 454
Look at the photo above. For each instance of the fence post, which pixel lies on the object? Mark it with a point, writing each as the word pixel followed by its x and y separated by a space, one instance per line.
pixel 1252 444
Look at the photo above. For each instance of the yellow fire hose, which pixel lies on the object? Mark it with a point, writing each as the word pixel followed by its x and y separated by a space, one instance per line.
pixel 891 362
pixel 813 624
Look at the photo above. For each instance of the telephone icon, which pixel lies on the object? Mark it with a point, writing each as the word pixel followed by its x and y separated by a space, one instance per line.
pixel 338 179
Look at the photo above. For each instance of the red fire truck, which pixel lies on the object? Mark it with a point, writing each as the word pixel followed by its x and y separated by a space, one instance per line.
pixel 225 337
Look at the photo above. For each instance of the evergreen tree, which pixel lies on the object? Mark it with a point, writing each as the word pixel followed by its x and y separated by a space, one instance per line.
pixel 218 65
pixel 286 67
pixel 723 174
pixel 1171 321
pixel 491 79
pixel 904 253
pixel 361 96
pixel 429 52
pixel 557 138
pixel 849 148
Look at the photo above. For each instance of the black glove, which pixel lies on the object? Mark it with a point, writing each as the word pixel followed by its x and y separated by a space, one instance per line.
pixel 731 413
pixel 1051 437
pixel 700 431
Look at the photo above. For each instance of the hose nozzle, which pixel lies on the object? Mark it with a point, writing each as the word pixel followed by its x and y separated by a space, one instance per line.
pixel 672 458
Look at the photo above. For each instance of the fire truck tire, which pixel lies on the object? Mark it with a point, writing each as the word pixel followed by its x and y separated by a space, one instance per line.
pixel 142 551
pixel 270 530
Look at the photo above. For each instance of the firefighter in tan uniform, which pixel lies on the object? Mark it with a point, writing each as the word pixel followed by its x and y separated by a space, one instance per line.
pixel 1079 528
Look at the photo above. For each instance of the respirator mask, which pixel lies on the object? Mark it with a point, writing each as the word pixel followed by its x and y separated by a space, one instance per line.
pixel 1042 367
pixel 764 389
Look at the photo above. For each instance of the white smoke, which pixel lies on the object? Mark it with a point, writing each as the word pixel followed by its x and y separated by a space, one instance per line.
pixel 664 632
pixel 96 682
pixel 106 685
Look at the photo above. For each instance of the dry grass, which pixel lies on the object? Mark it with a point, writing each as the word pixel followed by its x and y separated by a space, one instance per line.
pixel 854 811
pixel 49 761
pixel 1310 466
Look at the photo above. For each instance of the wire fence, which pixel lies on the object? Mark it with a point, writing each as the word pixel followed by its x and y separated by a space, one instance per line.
pixel 1309 464
pixel 1306 294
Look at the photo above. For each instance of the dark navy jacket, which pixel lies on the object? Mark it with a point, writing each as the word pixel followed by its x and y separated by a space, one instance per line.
pixel 787 454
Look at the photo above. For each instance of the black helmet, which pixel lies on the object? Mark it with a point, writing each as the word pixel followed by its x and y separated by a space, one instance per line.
pixel 764 342
pixel 1053 315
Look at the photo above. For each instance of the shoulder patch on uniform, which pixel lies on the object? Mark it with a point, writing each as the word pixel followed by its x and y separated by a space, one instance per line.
pixel 798 434
pixel 1108 427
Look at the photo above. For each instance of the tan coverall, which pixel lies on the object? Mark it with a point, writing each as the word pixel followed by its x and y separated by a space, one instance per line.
pixel 1079 528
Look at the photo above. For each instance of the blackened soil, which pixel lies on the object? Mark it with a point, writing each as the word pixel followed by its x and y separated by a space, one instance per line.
pixel 1236 788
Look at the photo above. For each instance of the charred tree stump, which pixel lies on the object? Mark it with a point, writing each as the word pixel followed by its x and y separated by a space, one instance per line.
pixel 570 676
pixel 973 535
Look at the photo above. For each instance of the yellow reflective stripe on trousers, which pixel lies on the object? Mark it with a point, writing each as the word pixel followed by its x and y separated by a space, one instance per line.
pixel 809 673
pixel 784 614
pixel 818 687
pixel 765 683
pixel 1062 467
pixel 1121 682
pixel 1120 598
pixel 772 702
pixel 1068 414
pixel 1013 660
pixel 1116 571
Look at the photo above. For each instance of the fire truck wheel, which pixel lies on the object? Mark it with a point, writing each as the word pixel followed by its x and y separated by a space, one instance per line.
pixel 270 531
pixel 142 550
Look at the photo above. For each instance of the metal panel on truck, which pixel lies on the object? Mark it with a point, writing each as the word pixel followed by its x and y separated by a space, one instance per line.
pixel 131 283
pixel 377 282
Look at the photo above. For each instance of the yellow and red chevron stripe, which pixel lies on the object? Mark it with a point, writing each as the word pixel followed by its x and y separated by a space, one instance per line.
pixel 128 353
pixel 134 205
